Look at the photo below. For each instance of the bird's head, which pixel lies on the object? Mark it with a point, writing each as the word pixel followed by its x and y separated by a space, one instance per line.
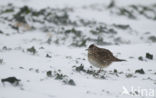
pixel 91 48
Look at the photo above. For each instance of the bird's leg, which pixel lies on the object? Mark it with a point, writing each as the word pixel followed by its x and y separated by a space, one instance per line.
pixel 99 70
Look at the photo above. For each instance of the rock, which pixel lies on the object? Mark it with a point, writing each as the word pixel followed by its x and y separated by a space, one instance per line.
pixel 129 75
pixel 59 76
pixel 140 71
pixel 32 50
pixel 1 32
pixel 71 82
pixel 1 61
pixel 140 58
pixel 48 56
pixel 80 68
pixel 12 80
pixel 149 56
pixel 49 73
pixel 115 70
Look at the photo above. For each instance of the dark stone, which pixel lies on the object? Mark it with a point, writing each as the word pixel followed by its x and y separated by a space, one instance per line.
pixel 140 71
pixel 49 73
pixel 140 58
pixel 112 4
pixel 1 32
pixel 71 82
pixel 11 80
pixel 32 50
pixel 59 76
pixel 90 72
pixel 129 75
pixel 103 77
pixel 149 56
pixel 152 38
pixel 115 71
pixel 80 68
pixel 48 56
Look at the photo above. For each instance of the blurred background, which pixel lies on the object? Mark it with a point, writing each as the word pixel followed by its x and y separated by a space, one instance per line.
pixel 43 42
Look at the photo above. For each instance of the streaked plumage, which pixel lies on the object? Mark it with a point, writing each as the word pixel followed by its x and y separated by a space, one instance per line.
pixel 100 57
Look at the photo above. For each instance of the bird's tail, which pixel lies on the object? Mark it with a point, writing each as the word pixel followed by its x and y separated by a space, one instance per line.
pixel 119 60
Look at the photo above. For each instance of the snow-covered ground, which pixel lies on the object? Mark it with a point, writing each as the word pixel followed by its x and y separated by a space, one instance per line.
pixel 41 36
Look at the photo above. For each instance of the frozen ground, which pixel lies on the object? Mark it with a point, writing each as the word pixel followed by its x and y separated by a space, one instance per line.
pixel 41 36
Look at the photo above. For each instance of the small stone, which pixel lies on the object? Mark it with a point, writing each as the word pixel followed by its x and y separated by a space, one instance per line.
pixel 1 32
pixel 71 82
pixel 149 56
pixel 59 76
pixel 90 72
pixel 1 61
pixel 32 50
pixel 129 75
pixel 140 71
pixel 37 70
pixel 21 67
pixel 103 77
pixel 49 73
pixel 12 80
pixel 140 58
pixel 80 68
pixel 48 56
pixel 115 71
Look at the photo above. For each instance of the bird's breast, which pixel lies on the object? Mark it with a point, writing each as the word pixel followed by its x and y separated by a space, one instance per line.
pixel 97 62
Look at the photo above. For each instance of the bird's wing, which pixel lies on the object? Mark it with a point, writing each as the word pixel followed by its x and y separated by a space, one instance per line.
pixel 105 55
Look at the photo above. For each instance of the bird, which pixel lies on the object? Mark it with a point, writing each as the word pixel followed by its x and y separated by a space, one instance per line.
pixel 101 57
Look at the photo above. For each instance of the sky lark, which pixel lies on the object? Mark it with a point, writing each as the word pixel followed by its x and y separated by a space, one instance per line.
pixel 100 57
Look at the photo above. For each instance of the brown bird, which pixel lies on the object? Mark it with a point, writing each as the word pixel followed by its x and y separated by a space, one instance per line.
pixel 100 57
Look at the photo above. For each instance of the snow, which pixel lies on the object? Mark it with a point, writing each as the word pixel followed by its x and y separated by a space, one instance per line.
pixel 32 68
